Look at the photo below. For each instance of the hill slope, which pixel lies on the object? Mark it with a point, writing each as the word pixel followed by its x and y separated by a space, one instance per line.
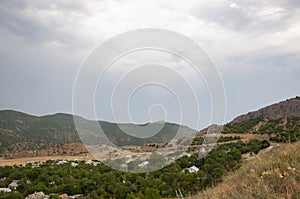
pixel 287 108
pixel 20 131
pixel 280 121
pixel 273 174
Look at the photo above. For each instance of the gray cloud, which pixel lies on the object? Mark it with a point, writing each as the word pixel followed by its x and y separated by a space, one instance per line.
pixel 40 21
pixel 255 44
pixel 249 16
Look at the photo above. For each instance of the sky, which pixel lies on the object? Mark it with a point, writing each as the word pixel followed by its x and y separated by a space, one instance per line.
pixel 255 46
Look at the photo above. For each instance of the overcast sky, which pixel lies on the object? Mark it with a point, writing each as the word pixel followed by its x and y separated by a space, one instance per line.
pixel 255 44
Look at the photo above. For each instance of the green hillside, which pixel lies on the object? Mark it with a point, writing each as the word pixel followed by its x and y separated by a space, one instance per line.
pixel 20 131
pixel 280 121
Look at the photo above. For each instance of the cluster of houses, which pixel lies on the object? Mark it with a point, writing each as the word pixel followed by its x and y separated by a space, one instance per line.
pixel 37 195
pixel 144 164
pixel 129 158
pixel 74 163
pixel 41 195
pixel 12 186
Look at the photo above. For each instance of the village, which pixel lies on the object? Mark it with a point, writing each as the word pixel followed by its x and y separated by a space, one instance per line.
pixel 15 183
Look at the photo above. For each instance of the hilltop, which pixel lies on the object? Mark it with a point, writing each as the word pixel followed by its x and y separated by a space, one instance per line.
pixel 280 121
pixel 287 108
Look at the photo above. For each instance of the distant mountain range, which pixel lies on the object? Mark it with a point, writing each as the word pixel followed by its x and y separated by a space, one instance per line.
pixel 20 132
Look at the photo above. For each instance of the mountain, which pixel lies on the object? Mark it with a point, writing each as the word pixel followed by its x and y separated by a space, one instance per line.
pixel 281 121
pixel 20 131
pixel 288 108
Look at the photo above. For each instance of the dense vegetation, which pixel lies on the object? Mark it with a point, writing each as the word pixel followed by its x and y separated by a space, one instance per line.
pixel 290 132
pixel 199 140
pixel 280 130
pixel 229 138
pixel 103 182
pixel 243 126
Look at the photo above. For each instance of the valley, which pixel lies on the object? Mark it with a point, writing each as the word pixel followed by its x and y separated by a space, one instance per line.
pixel 63 165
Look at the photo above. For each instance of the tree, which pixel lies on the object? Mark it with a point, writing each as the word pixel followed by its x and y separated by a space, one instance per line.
pixel 152 194
pixel 12 195
pixel 236 154
pixel 131 196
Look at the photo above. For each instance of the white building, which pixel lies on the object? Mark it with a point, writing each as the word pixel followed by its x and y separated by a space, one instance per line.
pixel 193 169
pixel 73 164
pixel 89 162
pixel 128 158
pixel 14 184
pixel 5 190
pixel 123 167
pixel 37 195
pixel 62 162
pixel 143 164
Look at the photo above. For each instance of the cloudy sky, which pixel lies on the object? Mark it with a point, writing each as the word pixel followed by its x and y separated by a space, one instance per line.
pixel 254 44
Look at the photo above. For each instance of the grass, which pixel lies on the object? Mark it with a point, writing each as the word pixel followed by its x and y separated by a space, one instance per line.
pixel 273 174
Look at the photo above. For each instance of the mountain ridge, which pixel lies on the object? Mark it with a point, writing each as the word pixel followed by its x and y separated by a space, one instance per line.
pixel 21 131
pixel 287 108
